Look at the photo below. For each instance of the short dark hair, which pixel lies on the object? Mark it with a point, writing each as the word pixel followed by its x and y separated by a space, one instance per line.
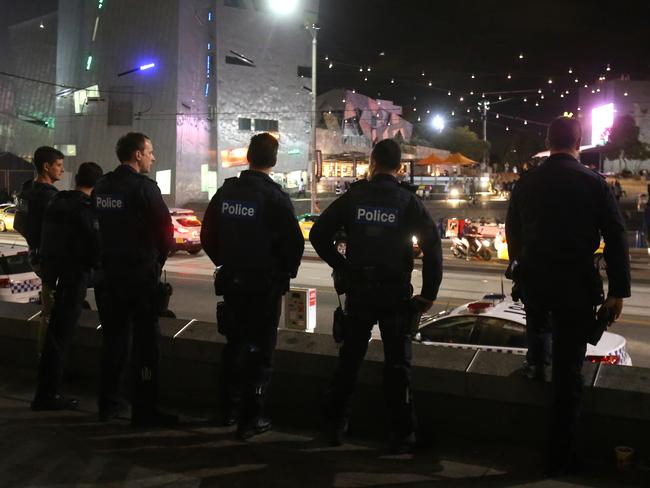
pixel 128 144
pixel 262 151
pixel 387 154
pixel 564 133
pixel 46 154
pixel 88 174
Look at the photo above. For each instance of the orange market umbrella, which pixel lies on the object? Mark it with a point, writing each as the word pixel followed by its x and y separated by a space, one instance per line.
pixel 431 159
pixel 458 158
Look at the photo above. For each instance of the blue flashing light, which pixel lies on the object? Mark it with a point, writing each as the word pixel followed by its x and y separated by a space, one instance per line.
pixel 210 16
pixel 207 65
pixel 209 46
pixel 101 4
pixel 207 88
pixel 147 66
pixel 89 62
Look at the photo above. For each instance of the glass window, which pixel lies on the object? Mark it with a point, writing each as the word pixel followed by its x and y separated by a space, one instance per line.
pixel 491 331
pixel 266 125
pixel 244 124
pixel 18 263
pixel 456 329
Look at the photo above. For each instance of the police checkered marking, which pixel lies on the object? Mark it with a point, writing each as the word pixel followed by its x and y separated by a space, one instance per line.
pixel 368 215
pixel 110 202
pixel 239 210
pixel 24 286
pixel 503 350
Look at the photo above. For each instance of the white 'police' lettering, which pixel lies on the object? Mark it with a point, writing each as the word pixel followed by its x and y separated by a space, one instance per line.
pixel 109 202
pixel 376 215
pixel 241 210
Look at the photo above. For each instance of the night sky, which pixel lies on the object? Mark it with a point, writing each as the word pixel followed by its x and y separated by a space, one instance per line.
pixel 451 41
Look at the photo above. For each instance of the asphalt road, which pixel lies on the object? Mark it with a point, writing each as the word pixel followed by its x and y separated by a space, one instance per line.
pixel 191 277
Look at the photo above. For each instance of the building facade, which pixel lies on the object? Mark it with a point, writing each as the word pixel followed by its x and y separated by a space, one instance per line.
pixel 603 101
pixel 198 77
pixel 27 97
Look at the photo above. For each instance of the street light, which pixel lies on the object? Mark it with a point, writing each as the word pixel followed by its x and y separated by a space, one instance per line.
pixel 438 123
pixel 283 7
pixel 286 7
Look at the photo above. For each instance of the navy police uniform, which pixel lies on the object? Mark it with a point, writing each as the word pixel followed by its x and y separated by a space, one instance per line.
pixel 135 234
pixel 251 232
pixel 69 250
pixel 379 217
pixel 557 215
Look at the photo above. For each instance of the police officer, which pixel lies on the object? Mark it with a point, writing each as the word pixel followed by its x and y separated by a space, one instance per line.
pixel 135 236
pixel 557 215
pixel 33 198
pixel 69 250
pixel 251 231
pixel 380 216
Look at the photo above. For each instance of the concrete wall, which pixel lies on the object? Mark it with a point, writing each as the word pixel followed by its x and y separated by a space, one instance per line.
pixel 271 90
pixel 128 36
pixel 475 394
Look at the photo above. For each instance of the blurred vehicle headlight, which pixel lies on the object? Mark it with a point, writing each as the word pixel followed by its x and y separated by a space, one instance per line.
pixel 414 240
pixel 454 193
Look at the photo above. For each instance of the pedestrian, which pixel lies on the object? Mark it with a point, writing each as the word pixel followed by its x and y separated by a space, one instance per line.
pixel 69 251
pixel 32 200
pixel 337 188
pixel 251 231
pixel 559 285
pixel 301 188
pixel 618 191
pixel 380 216
pixel 135 237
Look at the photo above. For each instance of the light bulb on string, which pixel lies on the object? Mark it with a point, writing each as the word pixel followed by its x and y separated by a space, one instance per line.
pixel 365 78
pixel 542 97
pixel 507 128
pixel 331 65
pixel 428 111
pixel 567 92
pixel 473 76
pixel 525 99
pixel 609 68
pixel 550 81
pixel 419 120
pixel 392 81
pixel 497 116
pixel 369 69
pixel 625 94
pixel 561 95
pixel 482 95
pixel 430 84
pixel 570 71
pixel 537 104
pixel 41 26
pixel 525 122
pixel 471 93
pixel 539 91
pixel 471 121
pixel 423 73
pixel 500 97
pixel 453 113
pixel 327 58
pixel 509 76
pixel 462 99
pixel 576 80
pixel 521 55
pixel 468 110
pixel 448 93
pixel 415 109
pixel 586 86
pixel 361 70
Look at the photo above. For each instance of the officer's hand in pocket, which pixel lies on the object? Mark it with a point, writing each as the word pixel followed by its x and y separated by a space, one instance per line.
pixel 615 305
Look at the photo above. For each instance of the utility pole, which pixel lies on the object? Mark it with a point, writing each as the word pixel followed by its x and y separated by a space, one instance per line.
pixel 313 188
pixel 485 105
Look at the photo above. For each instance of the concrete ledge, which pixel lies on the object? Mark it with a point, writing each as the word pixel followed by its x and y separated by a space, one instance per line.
pixel 456 390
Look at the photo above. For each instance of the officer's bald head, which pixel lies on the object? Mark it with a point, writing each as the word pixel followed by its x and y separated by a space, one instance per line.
pixel 387 155
pixel 564 135
pixel 262 151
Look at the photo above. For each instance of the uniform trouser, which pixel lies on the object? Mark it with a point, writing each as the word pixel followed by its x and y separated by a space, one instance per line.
pixel 539 334
pixel 129 324
pixel 47 303
pixel 570 330
pixel 248 355
pixel 69 295
pixel 362 315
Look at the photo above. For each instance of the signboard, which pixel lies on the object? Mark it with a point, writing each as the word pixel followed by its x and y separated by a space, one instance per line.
pixel 300 309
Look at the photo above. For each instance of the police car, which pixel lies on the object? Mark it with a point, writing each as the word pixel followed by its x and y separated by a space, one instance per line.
pixel 18 283
pixel 187 230
pixel 497 324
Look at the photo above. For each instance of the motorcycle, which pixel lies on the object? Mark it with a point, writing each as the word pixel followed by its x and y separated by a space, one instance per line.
pixel 471 247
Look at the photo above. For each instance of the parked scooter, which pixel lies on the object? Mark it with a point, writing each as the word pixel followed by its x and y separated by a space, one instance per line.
pixel 470 247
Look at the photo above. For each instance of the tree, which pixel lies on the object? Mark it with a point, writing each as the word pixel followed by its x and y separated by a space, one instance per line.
pixel 462 140
pixel 623 142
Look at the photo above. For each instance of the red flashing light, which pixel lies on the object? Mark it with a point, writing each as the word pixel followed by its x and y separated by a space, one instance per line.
pixel 603 359
pixel 181 230
pixel 478 307
pixel 5 283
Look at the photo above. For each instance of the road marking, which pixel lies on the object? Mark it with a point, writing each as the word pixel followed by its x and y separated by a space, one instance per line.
pixel 184 327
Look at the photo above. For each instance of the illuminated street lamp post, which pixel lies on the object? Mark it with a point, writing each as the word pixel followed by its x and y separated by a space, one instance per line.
pixel 286 7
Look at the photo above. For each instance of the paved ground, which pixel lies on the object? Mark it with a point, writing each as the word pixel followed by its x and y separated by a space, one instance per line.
pixel 71 449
